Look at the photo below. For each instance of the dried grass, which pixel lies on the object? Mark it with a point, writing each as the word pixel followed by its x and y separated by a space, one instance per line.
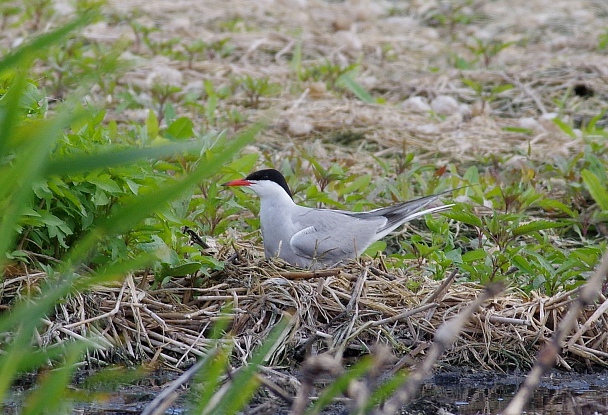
pixel 554 51
pixel 347 310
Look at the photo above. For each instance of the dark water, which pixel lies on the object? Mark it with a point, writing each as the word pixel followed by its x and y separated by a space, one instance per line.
pixel 489 393
pixel 461 393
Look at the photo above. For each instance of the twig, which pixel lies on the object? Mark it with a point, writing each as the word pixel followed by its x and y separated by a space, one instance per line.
pixel 507 320
pixel 165 399
pixel 526 91
pixel 403 315
pixel 194 238
pixel 306 275
pixel 585 327
pixel 440 291
pixel 275 389
pixel 108 314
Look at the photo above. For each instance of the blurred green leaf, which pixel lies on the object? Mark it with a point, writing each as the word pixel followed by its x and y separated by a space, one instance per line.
pixel 181 129
pixel 596 188
pixel 356 88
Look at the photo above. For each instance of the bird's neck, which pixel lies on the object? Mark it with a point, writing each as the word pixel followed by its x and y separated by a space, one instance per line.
pixel 281 200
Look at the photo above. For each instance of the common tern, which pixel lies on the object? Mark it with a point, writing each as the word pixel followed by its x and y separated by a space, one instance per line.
pixel 317 238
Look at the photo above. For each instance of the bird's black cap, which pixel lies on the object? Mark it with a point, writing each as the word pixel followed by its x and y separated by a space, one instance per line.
pixel 272 175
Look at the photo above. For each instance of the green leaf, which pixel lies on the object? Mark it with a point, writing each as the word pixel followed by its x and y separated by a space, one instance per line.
pixel 596 188
pixel 464 217
pixel 374 248
pixel 105 183
pixel 564 127
pixel 475 255
pixel 523 264
pixel 551 204
pixel 536 226
pixel 356 88
pixel 181 129
pixel 181 270
pixel 152 125
pixel 356 185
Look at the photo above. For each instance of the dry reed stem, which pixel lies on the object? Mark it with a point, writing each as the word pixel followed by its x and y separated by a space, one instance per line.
pixel 349 310
pixel 551 350
pixel 446 334
pixel 352 309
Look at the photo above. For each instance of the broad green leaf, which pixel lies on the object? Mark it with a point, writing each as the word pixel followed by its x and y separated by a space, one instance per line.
pixel 152 125
pixel 374 248
pixel 356 185
pixel 551 204
pixel 105 182
pixel 181 129
pixel 475 255
pixel 523 264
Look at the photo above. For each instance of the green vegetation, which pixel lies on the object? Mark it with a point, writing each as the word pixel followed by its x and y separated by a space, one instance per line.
pixel 88 197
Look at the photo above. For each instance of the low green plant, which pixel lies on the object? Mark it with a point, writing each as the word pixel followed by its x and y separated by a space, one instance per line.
pixel 486 93
pixel 60 187
pixel 602 41
pixel 453 14
pixel 257 88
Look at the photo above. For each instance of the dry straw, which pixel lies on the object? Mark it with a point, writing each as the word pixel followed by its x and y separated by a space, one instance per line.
pixel 347 310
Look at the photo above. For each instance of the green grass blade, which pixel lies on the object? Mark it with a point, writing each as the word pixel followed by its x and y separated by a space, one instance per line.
pixel 210 376
pixel 245 382
pixel 215 362
pixel 115 158
pixel 338 387
pixel 596 188
pixel 9 112
pixel 356 88
pixel 43 399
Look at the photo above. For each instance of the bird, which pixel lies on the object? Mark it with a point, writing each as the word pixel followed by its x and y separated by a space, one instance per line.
pixel 315 238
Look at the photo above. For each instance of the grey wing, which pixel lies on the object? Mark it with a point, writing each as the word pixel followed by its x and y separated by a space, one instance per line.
pixel 334 236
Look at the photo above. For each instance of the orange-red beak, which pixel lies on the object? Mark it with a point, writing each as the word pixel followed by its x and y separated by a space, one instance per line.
pixel 238 182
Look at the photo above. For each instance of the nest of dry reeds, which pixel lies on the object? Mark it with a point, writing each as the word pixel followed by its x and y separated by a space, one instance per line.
pixel 348 309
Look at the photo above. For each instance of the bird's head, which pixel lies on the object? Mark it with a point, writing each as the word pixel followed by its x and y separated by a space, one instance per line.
pixel 265 183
